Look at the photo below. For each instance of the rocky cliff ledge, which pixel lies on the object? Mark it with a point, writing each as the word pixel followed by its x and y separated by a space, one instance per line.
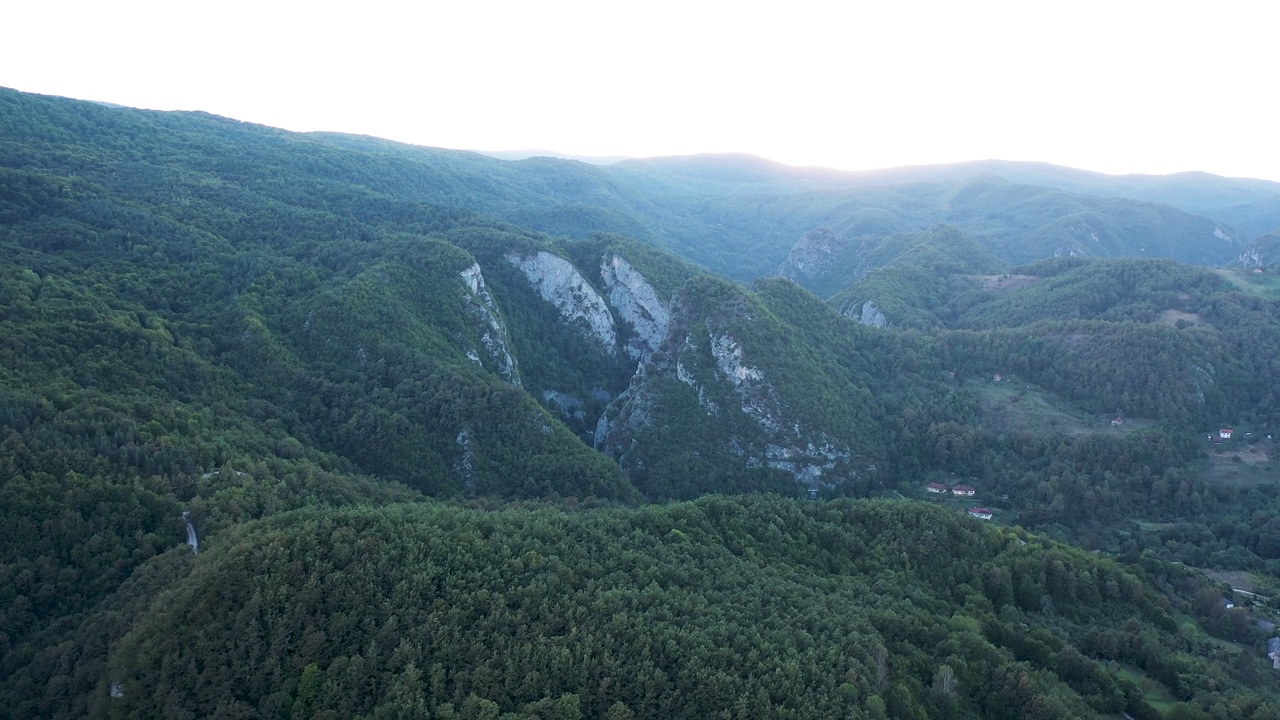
pixel 560 283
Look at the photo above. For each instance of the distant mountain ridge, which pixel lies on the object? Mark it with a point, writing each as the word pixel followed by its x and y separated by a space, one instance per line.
pixel 1251 206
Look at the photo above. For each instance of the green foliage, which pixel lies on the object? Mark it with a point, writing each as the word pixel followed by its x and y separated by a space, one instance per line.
pixel 772 606
pixel 272 333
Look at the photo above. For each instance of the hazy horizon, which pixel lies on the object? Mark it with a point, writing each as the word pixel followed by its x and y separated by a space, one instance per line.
pixel 1141 87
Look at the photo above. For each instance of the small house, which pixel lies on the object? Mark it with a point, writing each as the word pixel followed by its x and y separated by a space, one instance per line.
pixel 1117 421
pixel 936 488
pixel 963 491
pixel 997 377
pixel 1273 652
pixel 1225 433
pixel 981 513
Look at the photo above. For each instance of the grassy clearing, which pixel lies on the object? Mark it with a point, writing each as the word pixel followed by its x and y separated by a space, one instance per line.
pixel 1157 695
pixel 997 283
pixel 1171 318
pixel 1265 284
pixel 1010 406
pixel 1237 464
pixel 1239 579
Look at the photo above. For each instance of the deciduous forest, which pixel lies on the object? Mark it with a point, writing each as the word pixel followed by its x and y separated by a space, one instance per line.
pixel 317 426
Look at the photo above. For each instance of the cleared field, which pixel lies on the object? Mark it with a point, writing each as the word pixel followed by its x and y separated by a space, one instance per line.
pixel 1000 282
pixel 1240 465
pixel 1010 406
pixel 1171 317
pixel 1157 695
pixel 1237 579
pixel 1265 284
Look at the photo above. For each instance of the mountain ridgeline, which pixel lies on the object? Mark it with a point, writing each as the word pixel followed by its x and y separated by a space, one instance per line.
pixel 470 438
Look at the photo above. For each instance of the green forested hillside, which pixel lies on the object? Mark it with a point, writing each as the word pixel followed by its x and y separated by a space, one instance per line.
pixel 1250 206
pixel 410 402
pixel 751 608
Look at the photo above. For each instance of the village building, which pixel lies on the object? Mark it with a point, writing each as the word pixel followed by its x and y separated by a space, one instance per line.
pixel 936 488
pixel 1225 433
pixel 1273 652
pixel 963 491
pixel 1117 421
pixel 981 513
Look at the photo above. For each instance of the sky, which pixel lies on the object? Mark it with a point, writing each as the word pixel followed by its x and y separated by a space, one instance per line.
pixel 1118 86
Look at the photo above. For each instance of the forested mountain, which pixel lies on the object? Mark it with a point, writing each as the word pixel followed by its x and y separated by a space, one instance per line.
pixel 1251 206
pixel 414 403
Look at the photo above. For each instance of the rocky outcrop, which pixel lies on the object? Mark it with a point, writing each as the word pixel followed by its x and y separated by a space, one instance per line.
pixel 872 316
pixel 559 283
pixel 728 355
pixel 192 540
pixel 811 256
pixel 1262 252
pixel 465 465
pixel 636 303
pixel 568 406
pixel 1252 257
pixel 758 427
pixel 493 337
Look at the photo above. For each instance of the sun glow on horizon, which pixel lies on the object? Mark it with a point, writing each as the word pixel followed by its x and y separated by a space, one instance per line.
pixel 1135 87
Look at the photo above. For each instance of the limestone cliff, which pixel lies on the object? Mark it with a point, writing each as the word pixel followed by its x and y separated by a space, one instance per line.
pixel 872 316
pixel 493 337
pixel 559 283
pixel 742 411
pixel 811 256
pixel 1262 252
pixel 636 303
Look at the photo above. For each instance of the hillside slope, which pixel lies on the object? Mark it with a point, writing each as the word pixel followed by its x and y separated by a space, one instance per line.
pixel 252 339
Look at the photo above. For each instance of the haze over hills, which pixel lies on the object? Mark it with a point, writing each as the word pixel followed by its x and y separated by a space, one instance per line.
pixel 526 154
pixel 465 437
pixel 1250 206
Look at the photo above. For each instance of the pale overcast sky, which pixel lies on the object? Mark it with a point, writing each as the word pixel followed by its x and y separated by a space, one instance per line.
pixel 1112 86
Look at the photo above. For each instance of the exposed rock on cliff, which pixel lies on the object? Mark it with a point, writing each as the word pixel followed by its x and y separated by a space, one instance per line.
pixel 493 338
pixel 637 304
pixel 872 316
pixel 812 255
pixel 1262 252
pixel 560 283
pixel 745 416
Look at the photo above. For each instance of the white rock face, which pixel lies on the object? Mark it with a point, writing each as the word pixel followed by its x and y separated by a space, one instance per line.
pixel 560 283
pixel 637 304
pixel 812 255
pixel 770 435
pixel 1252 257
pixel 494 338
pixel 872 316
pixel 464 466
pixel 728 354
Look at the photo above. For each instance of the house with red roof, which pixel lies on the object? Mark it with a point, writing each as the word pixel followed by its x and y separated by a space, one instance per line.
pixel 963 491
pixel 1225 433
pixel 981 513
pixel 936 488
